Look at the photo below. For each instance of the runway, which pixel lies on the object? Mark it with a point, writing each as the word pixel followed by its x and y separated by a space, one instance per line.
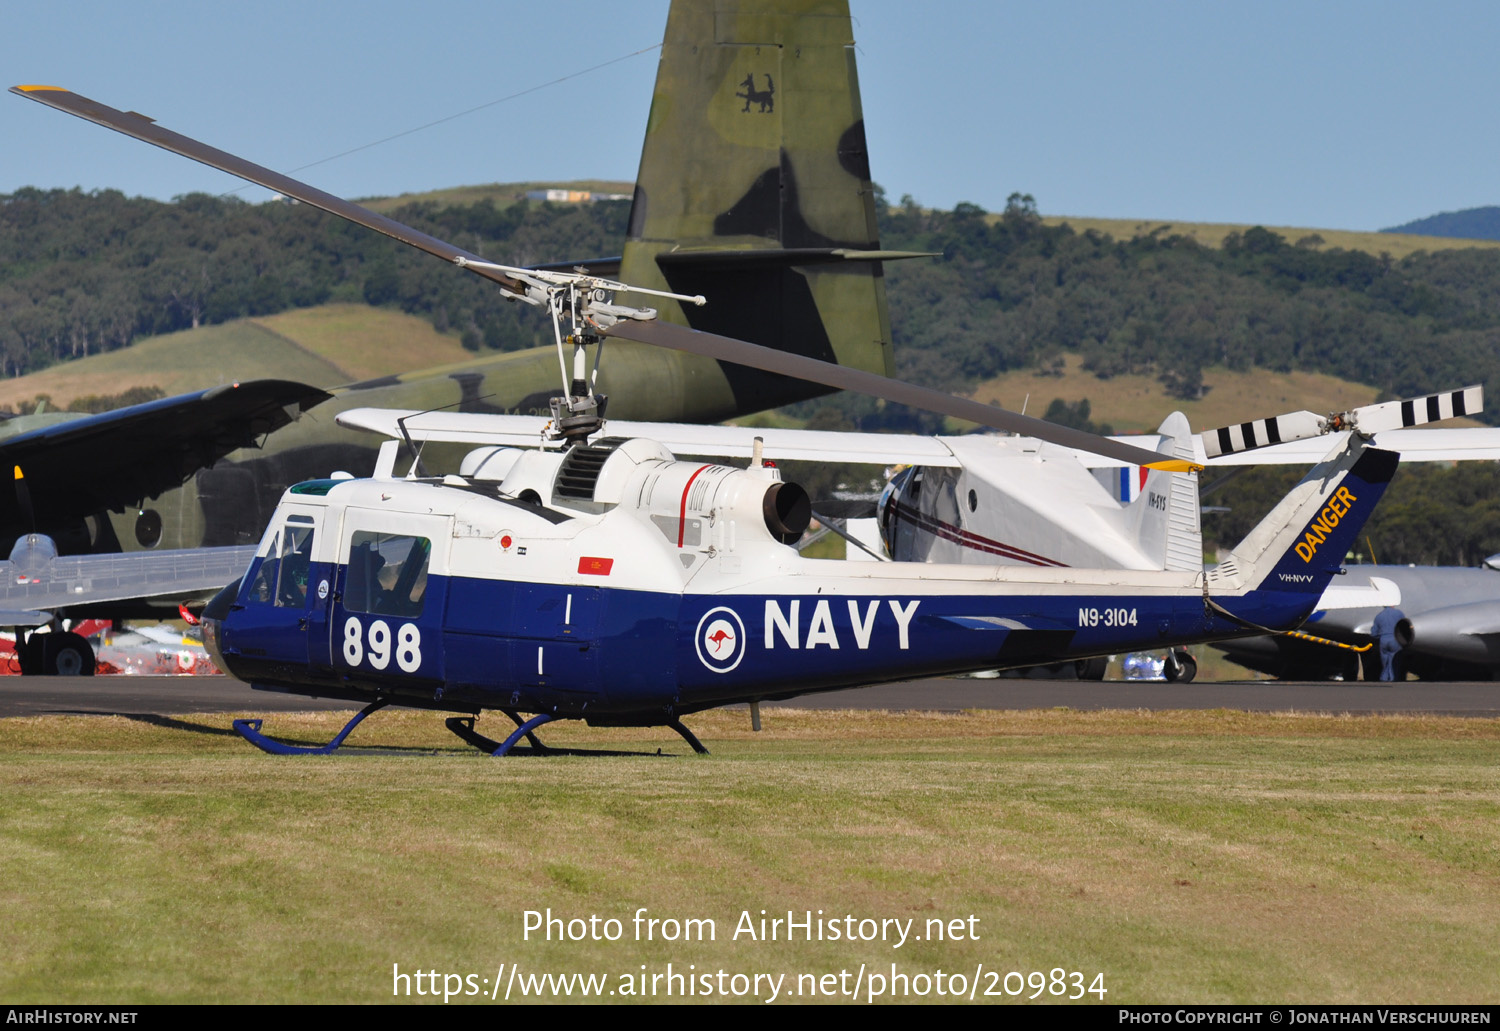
pixel 34 696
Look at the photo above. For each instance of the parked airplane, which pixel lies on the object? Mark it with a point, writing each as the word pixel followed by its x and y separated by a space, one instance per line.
pixel 68 472
pixel 1451 629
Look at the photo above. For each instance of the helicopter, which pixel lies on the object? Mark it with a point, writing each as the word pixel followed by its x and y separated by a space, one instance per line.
pixel 601 578
pixel 613 583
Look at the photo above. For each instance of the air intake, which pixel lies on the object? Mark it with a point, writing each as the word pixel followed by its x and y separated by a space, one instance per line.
pixel 579 471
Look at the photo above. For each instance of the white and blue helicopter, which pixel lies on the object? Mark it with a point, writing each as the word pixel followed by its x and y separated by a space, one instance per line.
pixel 603 579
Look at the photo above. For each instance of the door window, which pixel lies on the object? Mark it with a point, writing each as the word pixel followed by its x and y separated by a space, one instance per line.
pixel 387 574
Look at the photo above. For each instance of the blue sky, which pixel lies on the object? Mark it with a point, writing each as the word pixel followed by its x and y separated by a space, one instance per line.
pixel 1319 114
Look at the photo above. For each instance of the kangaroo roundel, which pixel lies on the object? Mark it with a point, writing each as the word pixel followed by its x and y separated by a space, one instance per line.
pixel 720 640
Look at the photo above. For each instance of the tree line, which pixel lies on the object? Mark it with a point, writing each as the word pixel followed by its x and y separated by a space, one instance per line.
pixel 82 273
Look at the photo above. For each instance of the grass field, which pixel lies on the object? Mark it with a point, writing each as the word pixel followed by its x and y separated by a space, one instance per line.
pixel 1210 857
pixel 364 342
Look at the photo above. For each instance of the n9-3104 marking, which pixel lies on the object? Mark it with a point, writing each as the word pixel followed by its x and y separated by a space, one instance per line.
pixel 1091 617
pixel 408 645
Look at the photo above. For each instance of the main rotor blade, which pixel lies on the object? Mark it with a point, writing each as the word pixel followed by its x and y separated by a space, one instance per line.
pixel 726 349
pixel 142 128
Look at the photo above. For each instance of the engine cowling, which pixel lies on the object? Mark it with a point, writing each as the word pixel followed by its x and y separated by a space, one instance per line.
pixel 1459 633
pixel 701 505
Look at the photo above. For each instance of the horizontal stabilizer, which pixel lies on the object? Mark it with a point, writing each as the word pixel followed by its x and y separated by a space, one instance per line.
pixel 1370 419
pixel 1375 593
pixel 790 256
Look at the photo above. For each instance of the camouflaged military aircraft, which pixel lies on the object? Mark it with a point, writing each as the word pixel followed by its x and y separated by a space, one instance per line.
pixel 767 208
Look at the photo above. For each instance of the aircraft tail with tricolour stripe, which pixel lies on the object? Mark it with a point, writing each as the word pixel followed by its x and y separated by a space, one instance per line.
pixel 1164 516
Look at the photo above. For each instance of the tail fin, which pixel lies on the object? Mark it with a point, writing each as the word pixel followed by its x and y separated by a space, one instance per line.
pixel 1164 517
pixel 754 188
pixel 1299 547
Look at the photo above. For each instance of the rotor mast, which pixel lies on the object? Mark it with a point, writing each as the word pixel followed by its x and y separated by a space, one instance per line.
pixel 582 307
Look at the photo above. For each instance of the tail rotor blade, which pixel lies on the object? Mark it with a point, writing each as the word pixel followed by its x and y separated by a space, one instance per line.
pixel 1367 420
pixel 1418 411
pixel 1229 440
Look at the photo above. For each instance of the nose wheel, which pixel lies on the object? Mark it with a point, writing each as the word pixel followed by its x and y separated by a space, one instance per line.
pixel 1180 668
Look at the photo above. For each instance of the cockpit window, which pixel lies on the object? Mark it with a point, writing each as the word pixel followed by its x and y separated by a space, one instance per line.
pixel 263 587
pixel 387 574
pixel 282 579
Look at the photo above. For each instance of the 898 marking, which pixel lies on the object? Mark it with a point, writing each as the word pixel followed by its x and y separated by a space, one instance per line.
pixel 1106 617
pixel 408 645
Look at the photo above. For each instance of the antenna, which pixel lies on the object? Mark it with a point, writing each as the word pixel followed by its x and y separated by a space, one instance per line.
pixel 416 453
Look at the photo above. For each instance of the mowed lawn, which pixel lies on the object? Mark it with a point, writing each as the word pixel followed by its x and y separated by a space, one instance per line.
pixel 1204 857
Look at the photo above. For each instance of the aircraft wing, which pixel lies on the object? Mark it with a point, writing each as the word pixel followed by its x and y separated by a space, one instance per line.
pixel 1375 593
pixel 1415 445
pixel 708 441
pixel 75 581
pixel 109 461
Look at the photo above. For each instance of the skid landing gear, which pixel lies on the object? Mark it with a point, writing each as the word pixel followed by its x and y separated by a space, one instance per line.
pixel 250 731
pixel 463 727
pixel 688 736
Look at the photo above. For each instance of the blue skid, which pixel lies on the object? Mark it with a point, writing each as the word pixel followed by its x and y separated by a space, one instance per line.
pixel 463 726
pixel 250 731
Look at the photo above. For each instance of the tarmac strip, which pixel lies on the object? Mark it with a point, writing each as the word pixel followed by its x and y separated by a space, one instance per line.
pixel 35 696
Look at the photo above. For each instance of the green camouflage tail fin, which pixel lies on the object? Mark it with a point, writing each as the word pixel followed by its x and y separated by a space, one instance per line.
pixel 754 188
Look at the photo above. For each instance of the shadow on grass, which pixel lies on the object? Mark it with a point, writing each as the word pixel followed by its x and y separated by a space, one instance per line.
pixel 165 722
pixel 174 723
pixel 353 748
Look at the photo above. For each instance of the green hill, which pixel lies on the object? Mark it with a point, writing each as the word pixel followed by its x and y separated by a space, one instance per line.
pixel 325 346
pixel 1471 224
pixel 1398 243
pixel 1105 302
